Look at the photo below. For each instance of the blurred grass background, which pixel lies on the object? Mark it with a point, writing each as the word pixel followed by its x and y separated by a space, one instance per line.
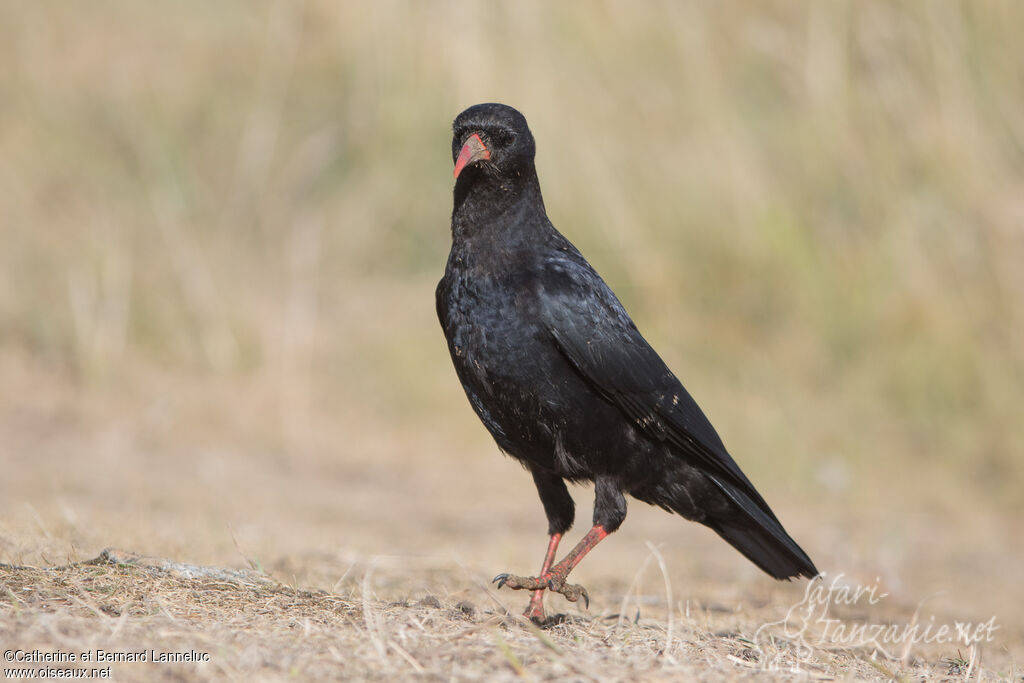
pixel 237 212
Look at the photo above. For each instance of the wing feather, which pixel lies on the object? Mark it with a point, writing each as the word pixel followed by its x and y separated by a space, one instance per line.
pixel 595 334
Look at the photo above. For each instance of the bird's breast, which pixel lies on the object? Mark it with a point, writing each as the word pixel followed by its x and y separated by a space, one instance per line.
pixel 521 386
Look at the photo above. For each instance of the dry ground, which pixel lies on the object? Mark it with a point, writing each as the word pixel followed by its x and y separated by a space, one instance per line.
pixel 239 624
pixel 375 566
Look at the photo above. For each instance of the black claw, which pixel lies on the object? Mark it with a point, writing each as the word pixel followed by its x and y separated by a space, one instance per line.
pixel 551 584
pixel 500 579
pixel 586 599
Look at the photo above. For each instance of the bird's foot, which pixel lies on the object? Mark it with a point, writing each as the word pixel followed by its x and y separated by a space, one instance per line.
pixel 535 611
pixel 549 581
pixel 516 582
pixel 545 621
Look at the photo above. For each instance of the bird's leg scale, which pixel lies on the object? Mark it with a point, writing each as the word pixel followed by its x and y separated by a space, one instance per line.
pixel 535 610
pixel 554 578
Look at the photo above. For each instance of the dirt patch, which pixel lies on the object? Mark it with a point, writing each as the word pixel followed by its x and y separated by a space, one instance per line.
pixel 140 618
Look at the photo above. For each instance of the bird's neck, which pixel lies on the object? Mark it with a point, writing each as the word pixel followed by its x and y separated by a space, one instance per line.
pixel 486 203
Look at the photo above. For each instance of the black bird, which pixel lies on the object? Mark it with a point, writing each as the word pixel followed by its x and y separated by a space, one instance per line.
pixel 558 373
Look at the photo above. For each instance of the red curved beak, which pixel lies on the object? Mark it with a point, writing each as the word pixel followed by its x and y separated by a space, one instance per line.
pixel 473 150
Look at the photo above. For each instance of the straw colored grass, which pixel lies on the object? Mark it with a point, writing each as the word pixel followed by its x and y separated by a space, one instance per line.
pixel 239 624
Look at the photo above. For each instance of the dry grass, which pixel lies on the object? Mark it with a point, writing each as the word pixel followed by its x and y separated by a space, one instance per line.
pixel 221 229
pixel 330 567
pixel 240 624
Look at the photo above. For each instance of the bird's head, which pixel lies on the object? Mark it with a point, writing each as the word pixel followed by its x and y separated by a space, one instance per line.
pixel 493 139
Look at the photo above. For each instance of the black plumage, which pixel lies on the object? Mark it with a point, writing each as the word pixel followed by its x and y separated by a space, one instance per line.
pixel 558 373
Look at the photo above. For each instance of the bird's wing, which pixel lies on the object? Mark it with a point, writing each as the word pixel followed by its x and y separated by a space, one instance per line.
pixel 595 334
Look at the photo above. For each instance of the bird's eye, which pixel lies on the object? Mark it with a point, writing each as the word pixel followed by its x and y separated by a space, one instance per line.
pixel 504 138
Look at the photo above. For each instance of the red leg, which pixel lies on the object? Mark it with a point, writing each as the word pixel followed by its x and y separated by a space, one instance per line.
pixel 561 570
pixel 554 578
pixel 536 609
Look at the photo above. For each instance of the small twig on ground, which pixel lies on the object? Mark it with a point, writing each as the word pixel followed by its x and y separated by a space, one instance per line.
pixel 406 656
pixel 369 617
pixel 668 599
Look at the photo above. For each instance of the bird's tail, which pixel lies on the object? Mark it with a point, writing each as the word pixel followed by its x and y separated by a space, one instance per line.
pixel 754 530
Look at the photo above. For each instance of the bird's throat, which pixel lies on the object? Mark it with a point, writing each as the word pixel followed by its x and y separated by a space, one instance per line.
pixel 484 203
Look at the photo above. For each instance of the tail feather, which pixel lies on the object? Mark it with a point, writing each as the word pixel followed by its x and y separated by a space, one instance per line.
pixel 753 529
pixel 781 559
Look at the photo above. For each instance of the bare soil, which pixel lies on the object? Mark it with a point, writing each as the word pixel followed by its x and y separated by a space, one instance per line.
pixel 260 562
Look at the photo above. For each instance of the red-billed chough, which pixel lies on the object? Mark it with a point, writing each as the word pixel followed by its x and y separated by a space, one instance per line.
pixel 560 376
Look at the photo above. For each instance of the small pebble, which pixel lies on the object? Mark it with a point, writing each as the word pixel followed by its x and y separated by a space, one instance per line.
pixel 430 601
